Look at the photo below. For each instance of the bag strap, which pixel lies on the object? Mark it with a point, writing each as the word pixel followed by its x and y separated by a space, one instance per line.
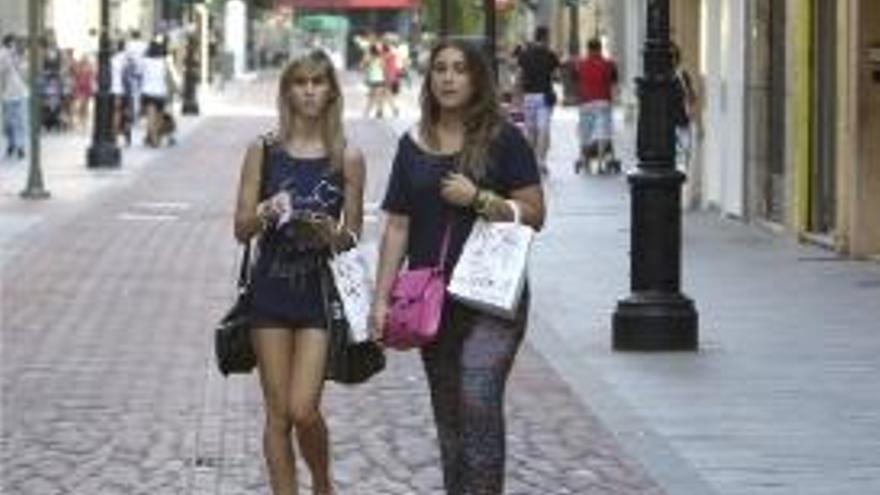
pixel 244 269
pixel 441 262
pixel 517 211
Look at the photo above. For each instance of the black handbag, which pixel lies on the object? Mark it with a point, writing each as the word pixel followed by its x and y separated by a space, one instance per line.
pixel 232 337
pixel 348 362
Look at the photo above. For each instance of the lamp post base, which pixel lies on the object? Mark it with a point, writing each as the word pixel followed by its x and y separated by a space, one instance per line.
pixel 35 193
pixel 190 107
pixel 103 155
pixel 655 322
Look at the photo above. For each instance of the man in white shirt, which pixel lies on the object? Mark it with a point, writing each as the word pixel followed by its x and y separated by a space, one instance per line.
pixel 14 97
pixel 136 50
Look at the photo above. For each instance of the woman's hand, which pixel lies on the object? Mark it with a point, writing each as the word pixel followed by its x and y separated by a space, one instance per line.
pixel 458 190
pixel 274 208
pixel 378 318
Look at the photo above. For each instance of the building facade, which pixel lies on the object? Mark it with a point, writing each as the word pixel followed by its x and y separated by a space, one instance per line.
pixel 789 114
pixel 75 23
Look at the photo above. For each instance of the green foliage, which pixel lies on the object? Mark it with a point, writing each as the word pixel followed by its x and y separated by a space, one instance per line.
pixel 465 16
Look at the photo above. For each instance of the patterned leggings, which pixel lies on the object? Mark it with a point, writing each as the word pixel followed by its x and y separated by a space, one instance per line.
pixel 467 370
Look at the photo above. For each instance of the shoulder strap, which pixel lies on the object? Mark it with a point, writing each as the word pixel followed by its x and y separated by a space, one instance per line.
pixel 441 262
pixel 244 269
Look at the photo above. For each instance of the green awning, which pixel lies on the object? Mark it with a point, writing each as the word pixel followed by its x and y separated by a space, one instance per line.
pixel 322 23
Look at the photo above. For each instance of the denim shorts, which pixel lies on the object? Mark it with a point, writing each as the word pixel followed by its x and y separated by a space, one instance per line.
pixel 595 122
pixel 536 112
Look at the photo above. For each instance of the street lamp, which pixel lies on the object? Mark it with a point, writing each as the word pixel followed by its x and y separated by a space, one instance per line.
pixel 656 316
pixel 490 31
pixel 103 153
pixel 190 77
pixel 445 15
pixel 34 188
pixel 574 27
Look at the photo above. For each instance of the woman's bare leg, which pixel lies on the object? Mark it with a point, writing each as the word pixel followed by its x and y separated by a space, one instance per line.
pixel 306 386
pixel 275 349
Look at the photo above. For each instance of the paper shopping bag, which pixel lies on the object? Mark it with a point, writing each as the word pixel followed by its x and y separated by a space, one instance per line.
pixel 351 276
pixel 491 273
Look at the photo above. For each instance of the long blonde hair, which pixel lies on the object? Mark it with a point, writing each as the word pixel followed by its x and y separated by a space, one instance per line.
pixel 483 118
pixel 332 132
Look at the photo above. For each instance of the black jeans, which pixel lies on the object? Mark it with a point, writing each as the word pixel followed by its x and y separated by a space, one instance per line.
pixel 467 369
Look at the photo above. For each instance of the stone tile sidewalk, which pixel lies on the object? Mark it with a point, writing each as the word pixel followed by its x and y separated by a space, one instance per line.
pixel 108 382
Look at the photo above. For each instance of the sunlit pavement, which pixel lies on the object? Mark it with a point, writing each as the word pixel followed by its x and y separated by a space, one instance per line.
pixel 109 386
pixel 111 287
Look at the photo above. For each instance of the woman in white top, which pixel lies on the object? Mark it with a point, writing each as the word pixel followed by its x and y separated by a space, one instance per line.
pixel 154 90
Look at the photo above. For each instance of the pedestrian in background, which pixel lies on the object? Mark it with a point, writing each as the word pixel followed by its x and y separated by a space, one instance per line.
pixel 125 81
pixel 154 91
pixel 373 66
pixel 684 110
pixel 14 97
pixel 294 188
pixel 83 91
pixel 392 66
pixel 596 82
pixel 460 163
pixel 538 66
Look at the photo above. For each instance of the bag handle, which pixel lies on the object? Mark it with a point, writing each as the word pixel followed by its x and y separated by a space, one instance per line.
pixel 517 211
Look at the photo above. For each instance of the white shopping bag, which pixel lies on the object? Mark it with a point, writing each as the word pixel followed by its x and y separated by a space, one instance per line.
pixel 351 274
pixel 491 273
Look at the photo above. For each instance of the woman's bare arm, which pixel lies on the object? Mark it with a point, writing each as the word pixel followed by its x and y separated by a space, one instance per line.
pixel 247 222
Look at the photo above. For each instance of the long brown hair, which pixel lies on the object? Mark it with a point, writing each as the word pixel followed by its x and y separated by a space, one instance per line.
pixel 482 115
pixel 332 132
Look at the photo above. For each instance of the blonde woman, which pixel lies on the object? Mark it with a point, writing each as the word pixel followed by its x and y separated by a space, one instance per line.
pixel 309 201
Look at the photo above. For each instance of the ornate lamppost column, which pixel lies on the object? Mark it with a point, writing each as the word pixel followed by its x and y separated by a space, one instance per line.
pixel 491 31
pixel 656 316
pixel 35 188
pixel 574 27
pixel 103 152
pixel 190 77
pixel 445 15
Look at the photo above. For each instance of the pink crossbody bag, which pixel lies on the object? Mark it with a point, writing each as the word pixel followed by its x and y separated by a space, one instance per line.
pixel 417 299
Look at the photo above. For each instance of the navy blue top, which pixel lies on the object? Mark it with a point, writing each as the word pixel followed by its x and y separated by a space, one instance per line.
pixel 414 190
pixel 286 280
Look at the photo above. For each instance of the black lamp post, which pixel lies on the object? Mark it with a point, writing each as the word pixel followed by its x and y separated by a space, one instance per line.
pixel 35 188
pixel 103 151
pixel 190 77
pixel 656 316
pixel 445 15
pixel 491 34
pixel 574 27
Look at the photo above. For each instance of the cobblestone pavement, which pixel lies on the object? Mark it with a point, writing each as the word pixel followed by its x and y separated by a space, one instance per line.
pixel 108 383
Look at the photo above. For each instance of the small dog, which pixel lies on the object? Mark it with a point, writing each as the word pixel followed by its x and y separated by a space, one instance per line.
pixel 167 128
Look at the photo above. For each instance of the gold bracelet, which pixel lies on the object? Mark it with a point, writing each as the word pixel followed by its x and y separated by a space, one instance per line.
pixel 481 203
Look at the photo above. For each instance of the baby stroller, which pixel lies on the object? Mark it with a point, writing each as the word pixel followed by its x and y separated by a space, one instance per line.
pixel 602 154
pixel 53 104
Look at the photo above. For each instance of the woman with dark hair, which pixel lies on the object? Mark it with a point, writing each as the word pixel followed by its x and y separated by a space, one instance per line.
pixel 301 193
pixel 462 161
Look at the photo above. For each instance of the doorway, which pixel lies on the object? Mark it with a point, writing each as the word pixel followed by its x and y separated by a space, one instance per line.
pixel 822 190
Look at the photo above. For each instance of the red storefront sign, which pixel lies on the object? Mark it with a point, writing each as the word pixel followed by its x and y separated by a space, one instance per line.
pixel 367 4
pixel 349 4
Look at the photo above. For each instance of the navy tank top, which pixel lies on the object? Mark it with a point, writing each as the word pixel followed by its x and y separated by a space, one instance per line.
pixel 286 281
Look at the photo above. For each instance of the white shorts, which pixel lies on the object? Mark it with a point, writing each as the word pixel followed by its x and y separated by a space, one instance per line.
pixel 536 112
pixel 595 122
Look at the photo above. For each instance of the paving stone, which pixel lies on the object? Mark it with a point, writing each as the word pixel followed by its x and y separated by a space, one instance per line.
pixel 108 376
